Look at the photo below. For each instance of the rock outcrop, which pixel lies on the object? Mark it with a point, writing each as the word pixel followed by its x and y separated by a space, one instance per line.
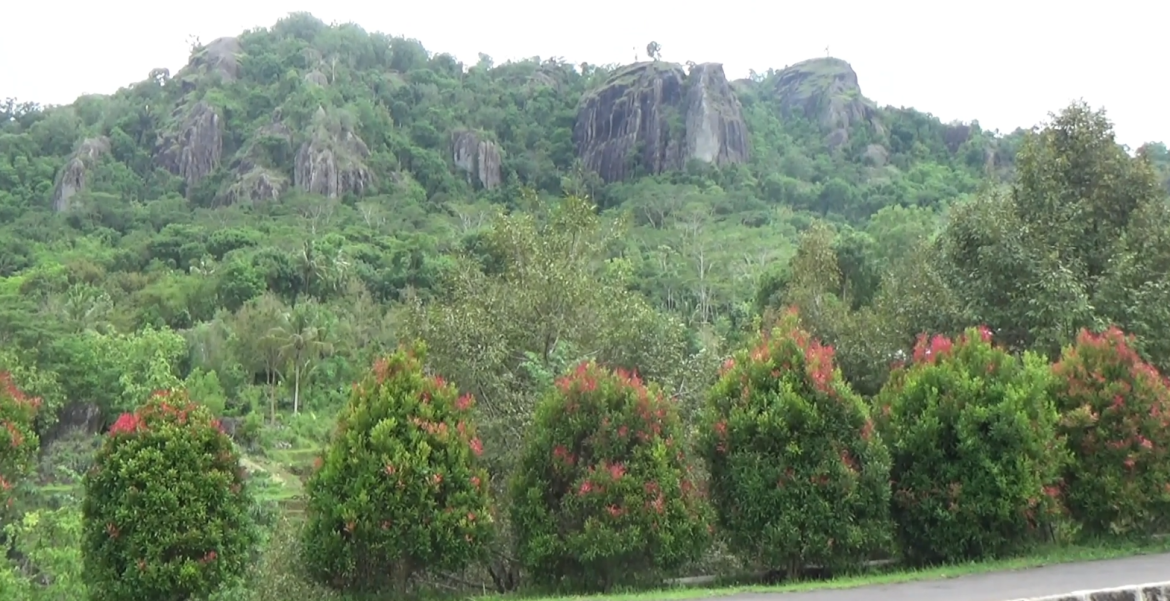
pixel 331 162
pixel 256 185
pixel 478 158
pixel 221 56
pixel 258 178
pixel 73 176
pixel 716 132
pixel 195 150
pixel 875 155
pixel 654 117
pixel 825 90
pixel 316 78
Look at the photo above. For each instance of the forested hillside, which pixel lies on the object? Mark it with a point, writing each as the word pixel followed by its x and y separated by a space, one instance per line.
pixel 261 226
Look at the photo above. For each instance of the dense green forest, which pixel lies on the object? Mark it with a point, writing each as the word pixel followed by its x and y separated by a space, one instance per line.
pixel 261 226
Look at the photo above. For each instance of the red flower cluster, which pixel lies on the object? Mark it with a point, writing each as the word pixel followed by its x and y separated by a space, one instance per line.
pixel 562 455
pixel 581 380
pixel 9 389
pixel 929 349
pixel 818 362
pixel 17 412
pixel 818 357
pixel 440 430
pixel 165 406
pixel 127 423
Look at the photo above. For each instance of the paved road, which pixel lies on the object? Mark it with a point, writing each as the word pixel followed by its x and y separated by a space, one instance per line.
pixel 996 586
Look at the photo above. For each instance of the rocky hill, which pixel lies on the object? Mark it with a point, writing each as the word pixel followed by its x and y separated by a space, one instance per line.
pixel 336 111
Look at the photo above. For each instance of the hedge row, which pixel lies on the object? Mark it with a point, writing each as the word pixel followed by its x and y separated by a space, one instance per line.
pixel 968 452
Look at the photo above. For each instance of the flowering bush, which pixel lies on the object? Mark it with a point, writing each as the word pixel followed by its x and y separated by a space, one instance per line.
pixel 1115 413
pixel 603 489
pixel 166 506
pixel 798 473
pixel 18 439
pixel 399 488
pixel 975 455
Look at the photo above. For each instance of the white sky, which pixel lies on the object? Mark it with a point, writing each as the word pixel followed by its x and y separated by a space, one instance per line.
pixel 1006 63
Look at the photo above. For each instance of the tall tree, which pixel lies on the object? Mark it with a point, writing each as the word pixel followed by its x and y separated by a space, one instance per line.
pixel 1034 263
pixel 300 341
pixel 256 346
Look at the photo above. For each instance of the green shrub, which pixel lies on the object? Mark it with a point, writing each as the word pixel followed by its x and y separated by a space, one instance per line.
pixel 18 438
pixel 165 514
pixel 976 460
pixel 1115 414
pixel 399 488
pixel 798 473
pixel 48 545
pixel 603 490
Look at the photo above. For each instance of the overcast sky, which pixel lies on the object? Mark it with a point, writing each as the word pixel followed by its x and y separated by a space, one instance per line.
pixel 1006 63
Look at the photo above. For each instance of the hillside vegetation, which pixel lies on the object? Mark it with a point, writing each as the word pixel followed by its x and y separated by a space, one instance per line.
pixel 638 267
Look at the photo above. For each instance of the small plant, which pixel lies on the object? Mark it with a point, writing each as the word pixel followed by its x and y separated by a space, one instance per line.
pixel 976 459
pixel 399 489
pixel 604 489
pixel 165 514
pixel 1115 413
pixel 798 473
pixel 18 439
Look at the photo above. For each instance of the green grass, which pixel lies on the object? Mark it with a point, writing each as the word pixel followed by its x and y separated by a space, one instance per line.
pixel 886 574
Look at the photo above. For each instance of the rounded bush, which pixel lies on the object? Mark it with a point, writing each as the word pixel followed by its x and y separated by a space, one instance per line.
pixel 165 514
pixel 399 488
pixel 18 438
pixel 1115 415
pixel 798 473
pixel 976 459
pixel 603 491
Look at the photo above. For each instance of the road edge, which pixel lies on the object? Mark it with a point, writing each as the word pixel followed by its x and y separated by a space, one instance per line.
pixel 1152 591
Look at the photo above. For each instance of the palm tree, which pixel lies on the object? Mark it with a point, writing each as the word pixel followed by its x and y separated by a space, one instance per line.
pixel 301 342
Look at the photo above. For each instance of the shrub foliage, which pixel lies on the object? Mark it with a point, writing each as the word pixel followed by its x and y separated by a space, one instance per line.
pixel 976 459
pixel 399 488
pixel 18 439
pixel 1115 413
pixel 798 473
pixel 166 506
pixel 604 490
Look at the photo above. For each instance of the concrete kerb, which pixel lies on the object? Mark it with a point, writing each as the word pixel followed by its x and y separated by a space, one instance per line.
pixel 1154 591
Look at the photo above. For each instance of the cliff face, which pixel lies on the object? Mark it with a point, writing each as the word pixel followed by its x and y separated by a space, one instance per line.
pixel 479 159
pixel 825 90
pixel 716 132
pixel 196 148
pixel 72 178
pixel 331 162
pixel 653 117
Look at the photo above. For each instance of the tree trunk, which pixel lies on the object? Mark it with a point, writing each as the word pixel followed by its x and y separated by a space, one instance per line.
pixel 296 389
pixel 271 398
